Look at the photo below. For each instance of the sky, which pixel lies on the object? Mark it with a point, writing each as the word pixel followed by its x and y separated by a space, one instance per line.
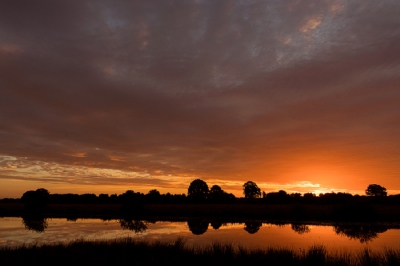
pixel 105 96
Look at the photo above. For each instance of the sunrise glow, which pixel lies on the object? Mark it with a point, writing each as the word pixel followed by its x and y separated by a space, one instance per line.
pixel 104 98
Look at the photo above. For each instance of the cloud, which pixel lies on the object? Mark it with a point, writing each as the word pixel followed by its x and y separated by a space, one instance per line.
pixel 219 90
pixel 11 49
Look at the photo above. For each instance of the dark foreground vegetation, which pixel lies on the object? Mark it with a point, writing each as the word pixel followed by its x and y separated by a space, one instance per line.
pixel 198 192
pixel 214 202
pixel 229 212
pixel 133 252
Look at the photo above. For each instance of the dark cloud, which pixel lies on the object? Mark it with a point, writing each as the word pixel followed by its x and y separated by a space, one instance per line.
pixel 216 89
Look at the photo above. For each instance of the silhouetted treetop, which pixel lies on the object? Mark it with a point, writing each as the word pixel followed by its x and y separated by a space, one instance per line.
pixel 216 189
pixel 251 190
pixel 309 195
pixel 198 189
pixel 376 190
pixel 217 194
pixel 39 197
pixel 154 192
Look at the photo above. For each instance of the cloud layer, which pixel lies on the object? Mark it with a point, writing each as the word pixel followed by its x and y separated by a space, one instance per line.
pixel 272 91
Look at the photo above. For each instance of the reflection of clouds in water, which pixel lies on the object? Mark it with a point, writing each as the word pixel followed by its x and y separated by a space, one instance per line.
pixel 60 230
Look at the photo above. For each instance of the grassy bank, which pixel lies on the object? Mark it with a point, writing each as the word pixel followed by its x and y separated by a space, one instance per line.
pixel 133 252
pixel 301 212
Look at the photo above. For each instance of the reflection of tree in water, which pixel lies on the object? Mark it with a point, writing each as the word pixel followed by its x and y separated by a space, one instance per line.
pixel 301 228
pixel 362 233
pixel 252 227
pixel 279 225
pixel 198 227
pixel 216 225
pixel 133 225
pixel 72 219
pixel 37 224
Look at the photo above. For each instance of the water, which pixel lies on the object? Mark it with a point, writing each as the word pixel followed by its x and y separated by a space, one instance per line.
pixel 344 237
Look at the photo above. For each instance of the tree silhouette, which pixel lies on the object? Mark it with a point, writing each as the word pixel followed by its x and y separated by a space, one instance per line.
pixel 216 191
pixel 154 192
pixel 198 189
pixel 251 190
pixel 278 197
pixel 309 195
pixel 252 227
pixel 153 195
pixel 376 191
pixel 37 198
pixel 197 227
pixel 217 194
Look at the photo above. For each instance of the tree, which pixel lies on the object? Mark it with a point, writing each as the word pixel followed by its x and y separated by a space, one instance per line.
pixel 376 190
pixel 251 190
pixel 216 193
pixel 103 198
pixel 309 195
pixel 198 189
pixel 277 197
pixel 153 195
pixel 216 190
pixel 37 198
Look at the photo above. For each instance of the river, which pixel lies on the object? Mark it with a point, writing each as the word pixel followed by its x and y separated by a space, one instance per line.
pixel 15 231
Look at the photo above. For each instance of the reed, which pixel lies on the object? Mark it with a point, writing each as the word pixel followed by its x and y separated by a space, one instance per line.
pixel 136 252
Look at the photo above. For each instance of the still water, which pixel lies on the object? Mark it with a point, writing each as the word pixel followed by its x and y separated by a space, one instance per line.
pixel 16 231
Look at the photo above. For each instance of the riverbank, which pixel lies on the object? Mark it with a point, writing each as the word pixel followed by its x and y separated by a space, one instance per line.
pixel 134 252
pixel 292 212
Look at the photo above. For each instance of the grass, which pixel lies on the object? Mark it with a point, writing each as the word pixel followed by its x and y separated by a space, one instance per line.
pixel 135 252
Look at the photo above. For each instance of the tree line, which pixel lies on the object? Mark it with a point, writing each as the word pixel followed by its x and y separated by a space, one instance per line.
pixel 199 192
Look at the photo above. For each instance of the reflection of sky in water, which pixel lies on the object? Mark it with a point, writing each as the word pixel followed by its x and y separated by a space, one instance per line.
pixel 12 232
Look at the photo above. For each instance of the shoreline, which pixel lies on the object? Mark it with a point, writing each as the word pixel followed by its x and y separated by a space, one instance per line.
pixel 232 212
